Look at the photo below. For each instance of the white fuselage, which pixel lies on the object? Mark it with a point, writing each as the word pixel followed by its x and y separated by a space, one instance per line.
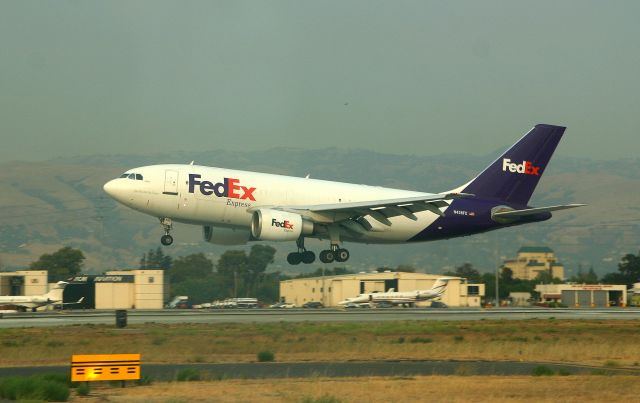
pixel 26 301
pixel 222 197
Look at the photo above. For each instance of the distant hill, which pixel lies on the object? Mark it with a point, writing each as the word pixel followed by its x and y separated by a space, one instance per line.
pixel 45 205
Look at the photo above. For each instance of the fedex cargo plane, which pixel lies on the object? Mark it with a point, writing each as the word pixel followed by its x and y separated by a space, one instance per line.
pixel 234 207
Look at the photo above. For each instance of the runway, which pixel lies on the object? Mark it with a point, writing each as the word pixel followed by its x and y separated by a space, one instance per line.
pixel 137 317
pixel 271 370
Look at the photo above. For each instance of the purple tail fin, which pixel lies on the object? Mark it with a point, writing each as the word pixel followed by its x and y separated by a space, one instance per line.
pixel 513 177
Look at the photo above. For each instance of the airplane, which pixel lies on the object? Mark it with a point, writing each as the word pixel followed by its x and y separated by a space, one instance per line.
pixel 403 298
pixel 234 207
pixel 33 302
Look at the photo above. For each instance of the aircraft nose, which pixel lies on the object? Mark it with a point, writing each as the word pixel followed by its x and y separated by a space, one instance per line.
pixel 115 188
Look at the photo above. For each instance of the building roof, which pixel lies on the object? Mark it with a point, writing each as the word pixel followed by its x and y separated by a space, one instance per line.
pixel 535 249
pixel 377 275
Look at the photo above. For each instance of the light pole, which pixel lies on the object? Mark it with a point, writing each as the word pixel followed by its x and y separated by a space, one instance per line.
pixel 323 303
pixel 497 289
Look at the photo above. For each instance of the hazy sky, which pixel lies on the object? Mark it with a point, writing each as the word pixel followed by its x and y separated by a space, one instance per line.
pixel 416 77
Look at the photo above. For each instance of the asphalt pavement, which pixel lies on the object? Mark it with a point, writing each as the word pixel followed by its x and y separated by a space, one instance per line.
pixel 256 370
pixel 167 316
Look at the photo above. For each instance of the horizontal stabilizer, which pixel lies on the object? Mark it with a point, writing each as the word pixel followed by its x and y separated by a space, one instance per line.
pixel 532 211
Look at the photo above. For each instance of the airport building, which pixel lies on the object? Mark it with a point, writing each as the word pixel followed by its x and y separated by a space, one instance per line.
pixel 532 260
pixel 118 289
pixel 25 282
pixel 330 290
pixel 583 295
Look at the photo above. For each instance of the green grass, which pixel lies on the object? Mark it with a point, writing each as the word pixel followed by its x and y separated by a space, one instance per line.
pixel 188 375
pixel 530 340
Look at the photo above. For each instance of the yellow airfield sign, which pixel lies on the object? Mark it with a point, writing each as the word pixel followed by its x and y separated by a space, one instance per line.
pixel 105 367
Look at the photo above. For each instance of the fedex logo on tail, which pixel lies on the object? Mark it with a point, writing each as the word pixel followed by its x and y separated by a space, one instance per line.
pixel 525 168
pixel 286 225
pixel 229 187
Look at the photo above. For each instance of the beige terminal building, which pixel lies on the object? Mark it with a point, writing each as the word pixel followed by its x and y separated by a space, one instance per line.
pixel 532 260
pixel 118 289
pixel 583 295
pixel 330 290
pixel 24 282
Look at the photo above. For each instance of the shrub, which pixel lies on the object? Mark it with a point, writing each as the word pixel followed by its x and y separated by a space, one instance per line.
pixel 10 343
pixel 54 391
pixel 187 375
pixel 542 370
pixel 158 340
pixel 421 340
pixel 322 399
pixel 266 356
pixel 458 338
pixel 34 388
pixel 84 389
pixel 64 379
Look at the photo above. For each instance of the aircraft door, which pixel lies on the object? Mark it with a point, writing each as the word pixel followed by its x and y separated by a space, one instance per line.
pixel 170 182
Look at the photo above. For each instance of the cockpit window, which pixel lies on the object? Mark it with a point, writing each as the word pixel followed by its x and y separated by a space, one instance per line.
pixel 133 176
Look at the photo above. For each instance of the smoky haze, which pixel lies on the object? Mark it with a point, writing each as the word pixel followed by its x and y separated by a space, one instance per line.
pixel 403 77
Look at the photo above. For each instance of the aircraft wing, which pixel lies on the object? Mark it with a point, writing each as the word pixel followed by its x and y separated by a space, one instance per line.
pixel 536 210
pixel 380 210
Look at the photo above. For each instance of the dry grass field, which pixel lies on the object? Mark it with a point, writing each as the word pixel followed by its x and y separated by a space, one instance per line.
pixel 417 389
pixel 608 343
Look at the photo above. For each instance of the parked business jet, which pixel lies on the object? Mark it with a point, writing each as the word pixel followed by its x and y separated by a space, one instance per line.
pixel 234 207
pixel 33 302
pixel 403 298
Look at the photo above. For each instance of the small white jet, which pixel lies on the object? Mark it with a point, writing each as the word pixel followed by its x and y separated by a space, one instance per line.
pixel 234 207
pixel 33 302
pixel 403 297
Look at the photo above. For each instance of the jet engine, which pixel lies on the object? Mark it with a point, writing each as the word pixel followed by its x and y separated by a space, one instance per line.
pixel 225 236
pixel 276 225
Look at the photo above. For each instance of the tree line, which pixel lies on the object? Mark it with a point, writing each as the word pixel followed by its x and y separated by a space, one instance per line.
pixel 238 274
pixel 628 273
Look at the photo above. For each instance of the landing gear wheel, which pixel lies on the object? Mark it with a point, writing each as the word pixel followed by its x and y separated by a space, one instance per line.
pixel 342 255
pixel 302 255
pixel 327 256
pixel 294 258
pixel 308 257
pixel 167 224
pixel 166 240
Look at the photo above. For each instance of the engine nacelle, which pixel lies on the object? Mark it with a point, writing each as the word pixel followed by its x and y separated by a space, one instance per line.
pixel 276 225
pixel 225 236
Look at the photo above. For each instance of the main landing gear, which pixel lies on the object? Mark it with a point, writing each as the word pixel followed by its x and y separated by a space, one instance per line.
pixel 302 255
pixel 334 254
pixel 166 239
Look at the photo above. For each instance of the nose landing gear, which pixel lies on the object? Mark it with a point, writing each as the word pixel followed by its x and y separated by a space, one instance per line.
pixel 302 255
pixel 167 224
